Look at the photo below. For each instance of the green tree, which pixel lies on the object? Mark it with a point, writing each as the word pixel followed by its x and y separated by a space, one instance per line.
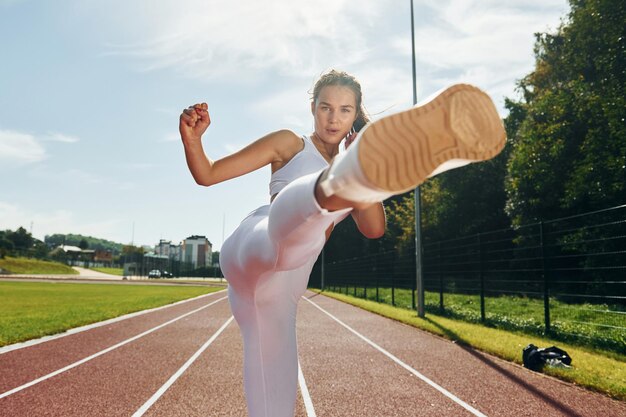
pixel 400 233
pixel 22 240
pixel 569 151
pixel 346 242
pixel 75 240
pixel 83 244
pixel 466 200
pixel 6 245
pixel 132 253
pixel 39 249
pixel 463 201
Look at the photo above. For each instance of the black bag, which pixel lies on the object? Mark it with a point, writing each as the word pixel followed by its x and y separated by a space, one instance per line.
pixel 535 358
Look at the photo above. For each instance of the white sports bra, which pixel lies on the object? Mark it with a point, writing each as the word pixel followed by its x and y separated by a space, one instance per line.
pixel 307 161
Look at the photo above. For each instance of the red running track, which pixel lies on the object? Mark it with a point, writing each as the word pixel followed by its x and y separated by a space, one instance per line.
pixel 185 360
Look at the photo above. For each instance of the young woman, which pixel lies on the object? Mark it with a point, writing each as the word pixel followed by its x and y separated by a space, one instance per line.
pixel 268 258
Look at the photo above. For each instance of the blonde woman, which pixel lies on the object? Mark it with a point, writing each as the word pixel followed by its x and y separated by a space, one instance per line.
pixel 268 258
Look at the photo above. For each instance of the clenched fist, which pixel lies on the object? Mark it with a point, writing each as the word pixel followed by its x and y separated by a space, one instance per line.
pixel 194 121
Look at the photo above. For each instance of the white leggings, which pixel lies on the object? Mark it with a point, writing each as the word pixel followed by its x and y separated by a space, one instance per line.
pixel 267 261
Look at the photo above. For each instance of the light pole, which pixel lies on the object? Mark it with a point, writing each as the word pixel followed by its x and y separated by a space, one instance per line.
pixel 322 271
pixel 418 209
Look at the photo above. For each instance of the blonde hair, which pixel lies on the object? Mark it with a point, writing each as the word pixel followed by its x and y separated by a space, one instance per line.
pixel 342 78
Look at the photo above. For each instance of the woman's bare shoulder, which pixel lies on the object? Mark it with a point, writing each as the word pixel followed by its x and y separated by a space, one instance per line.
pixel 287 136
pixel 287 143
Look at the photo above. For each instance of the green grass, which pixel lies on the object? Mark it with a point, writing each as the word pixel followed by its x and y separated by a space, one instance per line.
pixel 32 309
pixel 112 271
pixel 599 372
pixel 598 326
pixel 34 266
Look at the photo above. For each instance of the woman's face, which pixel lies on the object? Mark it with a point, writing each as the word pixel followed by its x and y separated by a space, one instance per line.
pixel 334 112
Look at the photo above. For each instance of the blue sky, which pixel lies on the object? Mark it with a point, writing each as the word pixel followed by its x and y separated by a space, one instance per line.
pixel 91 91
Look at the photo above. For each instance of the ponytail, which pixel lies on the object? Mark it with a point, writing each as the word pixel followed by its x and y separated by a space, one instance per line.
pixel 361 119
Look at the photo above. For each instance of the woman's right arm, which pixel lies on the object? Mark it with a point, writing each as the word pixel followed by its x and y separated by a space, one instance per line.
pixel 195 120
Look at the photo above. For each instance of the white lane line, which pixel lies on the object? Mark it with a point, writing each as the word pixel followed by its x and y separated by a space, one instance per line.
pixel 304 391
pixel 33 342
pixel 102 352
pixel 178 373
pixel 404 365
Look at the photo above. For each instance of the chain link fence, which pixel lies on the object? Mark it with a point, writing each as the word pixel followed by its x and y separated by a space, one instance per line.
pixel 564 277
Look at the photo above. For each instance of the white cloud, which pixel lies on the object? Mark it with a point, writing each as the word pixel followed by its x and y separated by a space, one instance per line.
pixel 386 89
pixel 74 178
pixel 297 99
pixel 487 43
pixel 45 223
pixel 216 38
pixel 19 148
pixel 13 216
pixel 171 137
pixel 60 137
pixel 67 176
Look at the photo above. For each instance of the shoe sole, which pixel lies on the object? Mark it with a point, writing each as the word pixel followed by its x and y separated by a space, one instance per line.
pixel 400 151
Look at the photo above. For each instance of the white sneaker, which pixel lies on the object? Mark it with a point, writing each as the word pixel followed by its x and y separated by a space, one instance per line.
pixel 395 154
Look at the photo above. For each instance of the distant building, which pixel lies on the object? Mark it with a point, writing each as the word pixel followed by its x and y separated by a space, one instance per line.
pixel 75 255
pixel 163 248
pixel 166 248
pixel 70 249
pixel 103 258
pixel 197 250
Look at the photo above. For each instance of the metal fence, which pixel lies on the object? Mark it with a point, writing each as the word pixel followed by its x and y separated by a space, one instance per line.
pixel 564 277
pixel 141 265
pixel 138 265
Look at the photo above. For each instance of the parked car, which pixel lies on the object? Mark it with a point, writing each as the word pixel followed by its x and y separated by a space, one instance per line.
pixel 157 273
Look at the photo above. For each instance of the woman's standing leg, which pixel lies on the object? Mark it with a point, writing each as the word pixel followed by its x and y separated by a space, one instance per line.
pixel 267 322
pixel 267 262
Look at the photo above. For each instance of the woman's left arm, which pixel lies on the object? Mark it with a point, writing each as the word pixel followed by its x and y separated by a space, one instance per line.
pixel 371 221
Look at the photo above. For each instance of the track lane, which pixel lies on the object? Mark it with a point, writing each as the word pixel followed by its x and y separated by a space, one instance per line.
pixel 20 366
pixel 494 386
pixel 119 382
pixel 212 385
pixel 347 377
pixel 172 380
pixel 401 363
